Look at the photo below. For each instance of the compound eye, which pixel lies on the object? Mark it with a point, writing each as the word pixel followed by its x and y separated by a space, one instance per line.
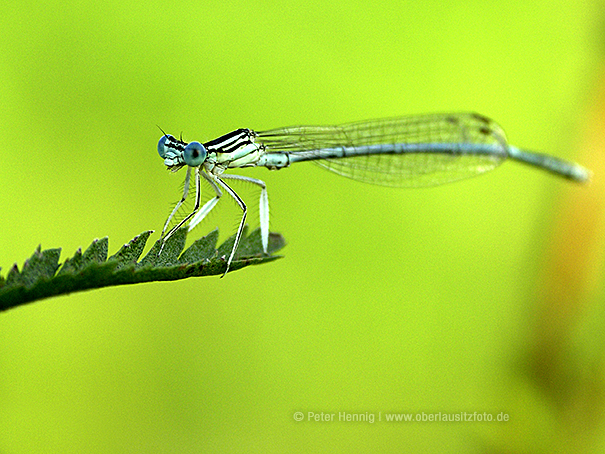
pixel 162 145
pixel 195 154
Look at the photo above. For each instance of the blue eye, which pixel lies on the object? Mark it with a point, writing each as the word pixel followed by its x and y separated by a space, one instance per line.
pixel 194 154
pixel 162 145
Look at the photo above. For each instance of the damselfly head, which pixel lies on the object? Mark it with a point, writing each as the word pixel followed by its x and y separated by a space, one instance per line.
pixel 171 150
pixel 177 153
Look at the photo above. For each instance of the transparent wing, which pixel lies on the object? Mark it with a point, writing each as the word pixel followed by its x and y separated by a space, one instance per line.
pixel 458 145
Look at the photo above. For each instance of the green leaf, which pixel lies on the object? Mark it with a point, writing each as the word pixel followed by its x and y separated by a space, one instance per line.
pixel 202 249
pixel 92 269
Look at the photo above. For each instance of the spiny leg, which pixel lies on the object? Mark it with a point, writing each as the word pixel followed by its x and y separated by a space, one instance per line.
pixel 208 206
pixel 240 229
pixel 178 205
pixel 198 195
pixel 263 207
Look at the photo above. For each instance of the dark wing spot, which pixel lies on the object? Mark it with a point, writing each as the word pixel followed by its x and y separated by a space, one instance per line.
pixel 481 118
pixel 485 131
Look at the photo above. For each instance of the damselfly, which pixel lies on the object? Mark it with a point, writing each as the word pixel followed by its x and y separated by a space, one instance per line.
pixel 424 150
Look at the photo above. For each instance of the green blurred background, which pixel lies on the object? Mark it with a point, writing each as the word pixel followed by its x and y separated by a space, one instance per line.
pixel 430 300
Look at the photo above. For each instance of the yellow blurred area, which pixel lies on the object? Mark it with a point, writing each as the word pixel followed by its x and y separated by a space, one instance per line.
pixel 484 296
